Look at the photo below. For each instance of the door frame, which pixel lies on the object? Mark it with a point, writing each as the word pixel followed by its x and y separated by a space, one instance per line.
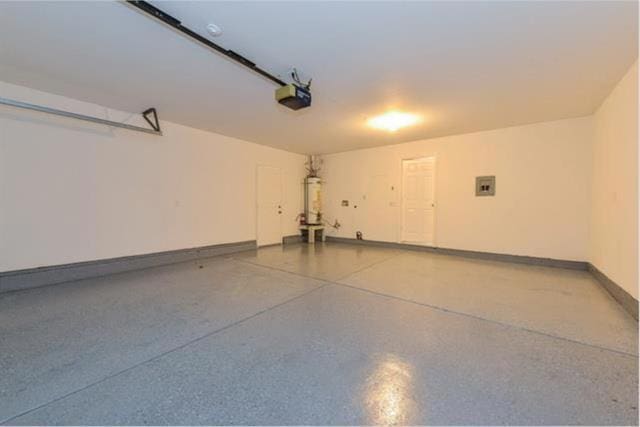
pixel 433 156
pixel 257 202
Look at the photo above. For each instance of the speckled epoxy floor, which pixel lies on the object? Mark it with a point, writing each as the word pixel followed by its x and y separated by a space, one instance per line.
pixel 325 334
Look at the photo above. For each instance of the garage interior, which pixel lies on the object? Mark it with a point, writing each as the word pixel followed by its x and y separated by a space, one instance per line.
pixel 319 213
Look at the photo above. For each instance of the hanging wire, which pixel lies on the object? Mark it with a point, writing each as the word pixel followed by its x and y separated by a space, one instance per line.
pixel 296 78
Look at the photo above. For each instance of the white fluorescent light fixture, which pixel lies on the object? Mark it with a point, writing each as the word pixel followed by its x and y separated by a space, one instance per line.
pixel 392 121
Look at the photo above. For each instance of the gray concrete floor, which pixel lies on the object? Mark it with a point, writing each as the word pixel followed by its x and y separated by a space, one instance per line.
pixel 325 334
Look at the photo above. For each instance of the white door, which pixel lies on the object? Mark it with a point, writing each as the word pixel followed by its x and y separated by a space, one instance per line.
pixel 418 204
pixel 380 214
pixel 269 215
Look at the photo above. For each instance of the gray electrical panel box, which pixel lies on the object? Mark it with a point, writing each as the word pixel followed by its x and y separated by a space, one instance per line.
pixel 485 186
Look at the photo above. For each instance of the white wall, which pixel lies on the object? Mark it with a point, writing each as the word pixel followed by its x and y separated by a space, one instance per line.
pixel 614 208
pixel 542 201
pixel 73 191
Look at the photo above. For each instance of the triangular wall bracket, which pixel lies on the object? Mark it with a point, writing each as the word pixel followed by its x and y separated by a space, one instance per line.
pixel 155 124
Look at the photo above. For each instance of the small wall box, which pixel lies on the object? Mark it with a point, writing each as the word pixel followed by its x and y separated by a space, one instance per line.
pixel 485 186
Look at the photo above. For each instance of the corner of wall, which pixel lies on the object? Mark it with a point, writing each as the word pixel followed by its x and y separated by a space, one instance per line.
pixel 614 214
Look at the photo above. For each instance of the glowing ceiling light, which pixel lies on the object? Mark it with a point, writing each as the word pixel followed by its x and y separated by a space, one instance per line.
pixel 391 121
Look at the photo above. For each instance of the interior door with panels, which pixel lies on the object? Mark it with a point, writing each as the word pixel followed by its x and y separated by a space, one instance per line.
pixel 418 200
pixel 269 205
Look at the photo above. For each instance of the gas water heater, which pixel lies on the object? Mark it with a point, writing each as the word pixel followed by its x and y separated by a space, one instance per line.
pixel 313 200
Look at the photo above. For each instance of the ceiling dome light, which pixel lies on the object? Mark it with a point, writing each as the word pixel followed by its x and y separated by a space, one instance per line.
pixel 391 121
pixel 214 30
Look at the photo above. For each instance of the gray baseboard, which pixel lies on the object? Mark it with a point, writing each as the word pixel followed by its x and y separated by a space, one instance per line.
pixel 288 240
pixel 42 276
pixel 629 303
pixel 520 259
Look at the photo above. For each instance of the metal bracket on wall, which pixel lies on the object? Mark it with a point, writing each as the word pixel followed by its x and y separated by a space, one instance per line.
pixel 155 124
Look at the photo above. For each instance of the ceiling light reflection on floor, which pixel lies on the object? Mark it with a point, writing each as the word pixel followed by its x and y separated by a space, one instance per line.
pixel 389 392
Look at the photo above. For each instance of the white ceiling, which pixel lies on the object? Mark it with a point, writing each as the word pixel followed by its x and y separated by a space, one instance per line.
pixel 465 66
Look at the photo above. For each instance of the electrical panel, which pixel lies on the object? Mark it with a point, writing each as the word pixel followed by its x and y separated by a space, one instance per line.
pixel 485 186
